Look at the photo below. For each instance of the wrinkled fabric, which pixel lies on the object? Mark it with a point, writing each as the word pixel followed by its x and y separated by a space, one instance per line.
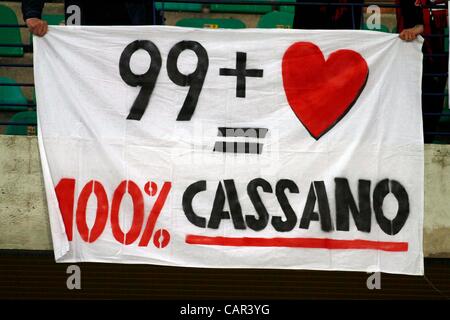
pixel 333 180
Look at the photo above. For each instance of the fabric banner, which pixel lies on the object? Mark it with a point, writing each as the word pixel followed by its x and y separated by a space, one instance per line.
pixel 251 148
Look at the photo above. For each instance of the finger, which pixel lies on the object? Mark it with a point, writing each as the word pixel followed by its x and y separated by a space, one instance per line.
pixel 40 31
pixel 408 36
pixel 404 36
pixel 37 30
pixel 45 29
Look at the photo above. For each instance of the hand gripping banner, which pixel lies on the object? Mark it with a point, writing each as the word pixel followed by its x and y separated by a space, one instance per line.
pixel 254 148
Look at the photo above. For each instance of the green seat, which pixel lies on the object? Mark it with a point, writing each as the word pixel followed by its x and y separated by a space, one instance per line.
pixel 382 28
pixel 211 23
pixel 54 19
pixel 290 9
pixel 444 121
pixel 9 35
pixel 182 6
pixel 241 8
pixel 11 94
pixel 28 117
pixel 276 19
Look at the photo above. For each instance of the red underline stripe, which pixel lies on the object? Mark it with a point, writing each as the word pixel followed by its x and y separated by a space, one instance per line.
pixel 297 243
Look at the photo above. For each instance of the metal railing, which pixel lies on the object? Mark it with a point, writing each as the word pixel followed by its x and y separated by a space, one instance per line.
pixel 274 4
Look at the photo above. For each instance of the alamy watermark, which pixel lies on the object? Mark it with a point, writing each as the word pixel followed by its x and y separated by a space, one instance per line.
pixel 373 20
pixel 73 15
pixel 374 281
pixel 74 279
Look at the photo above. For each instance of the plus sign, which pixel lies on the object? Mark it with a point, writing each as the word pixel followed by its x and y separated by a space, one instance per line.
pixel 241 73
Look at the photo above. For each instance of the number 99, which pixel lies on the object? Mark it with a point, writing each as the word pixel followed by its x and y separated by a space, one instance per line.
pixel 148 80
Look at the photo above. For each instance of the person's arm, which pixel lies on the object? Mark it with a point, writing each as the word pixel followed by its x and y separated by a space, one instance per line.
pixel 413 19
pixel 32 11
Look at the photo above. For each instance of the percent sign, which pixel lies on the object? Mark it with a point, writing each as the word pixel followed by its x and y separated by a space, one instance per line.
pixel 161 237
pixel 65 192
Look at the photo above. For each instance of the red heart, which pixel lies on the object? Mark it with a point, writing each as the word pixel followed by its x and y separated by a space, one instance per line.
pixel 321 92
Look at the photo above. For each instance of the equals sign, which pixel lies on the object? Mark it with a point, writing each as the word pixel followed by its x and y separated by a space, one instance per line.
pixel 231 146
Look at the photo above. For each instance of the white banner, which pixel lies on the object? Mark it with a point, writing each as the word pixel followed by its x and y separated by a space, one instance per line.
pixel 254 148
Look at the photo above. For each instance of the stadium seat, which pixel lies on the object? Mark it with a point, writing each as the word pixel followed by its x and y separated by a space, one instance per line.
pixel 11 94
pixel 276 19
pixel 211 23
pixel 290 9
pixel 382 28
pixel 240 8
pixel 191 7
pixel 28 117
pixel 9 35
pixel 444 121
pixel 54 19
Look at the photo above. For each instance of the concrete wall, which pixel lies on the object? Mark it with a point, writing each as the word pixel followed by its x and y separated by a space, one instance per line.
pixel 23 210
pixel 24 218
pixel 437 201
